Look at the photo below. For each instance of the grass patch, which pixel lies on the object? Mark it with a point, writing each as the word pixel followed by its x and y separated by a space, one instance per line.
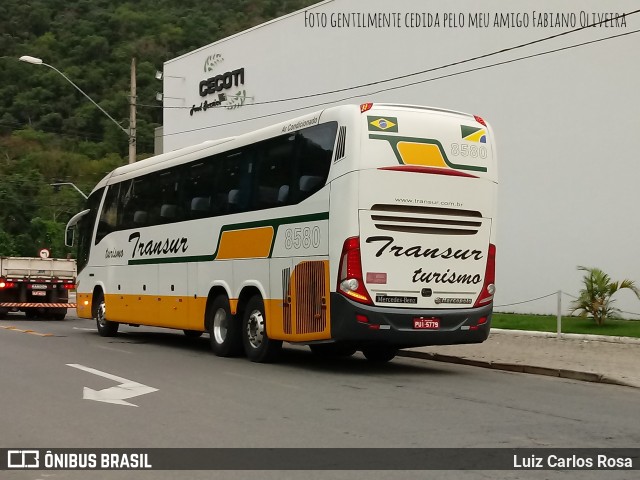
pixel 548 323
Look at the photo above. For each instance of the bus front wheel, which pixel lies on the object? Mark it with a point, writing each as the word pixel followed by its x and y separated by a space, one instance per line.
pixel 257 345
pixel 105 327
pixel 224 329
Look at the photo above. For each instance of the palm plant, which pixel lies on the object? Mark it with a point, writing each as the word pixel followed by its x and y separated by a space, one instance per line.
pixel 595 298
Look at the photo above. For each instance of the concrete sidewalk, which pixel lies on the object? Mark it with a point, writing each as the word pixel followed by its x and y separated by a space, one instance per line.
pixel 591 358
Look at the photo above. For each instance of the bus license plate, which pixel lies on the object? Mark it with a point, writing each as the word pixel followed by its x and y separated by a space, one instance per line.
pixel 39 293
pixel 426 323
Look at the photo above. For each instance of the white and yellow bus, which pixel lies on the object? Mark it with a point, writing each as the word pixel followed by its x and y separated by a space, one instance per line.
pixel 366 228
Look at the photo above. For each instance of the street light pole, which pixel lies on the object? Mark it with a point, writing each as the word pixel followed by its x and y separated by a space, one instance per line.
pixel 131 133
pixel 73 185
pixel 132 114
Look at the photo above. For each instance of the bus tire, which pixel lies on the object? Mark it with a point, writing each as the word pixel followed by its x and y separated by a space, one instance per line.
pixel 257 345
pixel 193 333
pixel 224 329
pixel 331 350
pixel 379 354
pixel 104 326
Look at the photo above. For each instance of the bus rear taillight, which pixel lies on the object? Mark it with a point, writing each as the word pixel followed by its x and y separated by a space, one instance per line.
pixel 350 282
pixel 489 287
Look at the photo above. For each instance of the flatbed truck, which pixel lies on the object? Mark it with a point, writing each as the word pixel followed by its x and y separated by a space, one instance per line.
pixel 39 287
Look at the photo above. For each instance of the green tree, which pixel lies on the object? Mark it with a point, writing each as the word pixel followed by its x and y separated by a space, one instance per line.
pixel 595 298
pixel 7 247
pixel 51 133
pixel 48 234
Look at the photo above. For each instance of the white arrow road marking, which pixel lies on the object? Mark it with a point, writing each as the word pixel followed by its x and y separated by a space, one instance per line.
pixel 117 394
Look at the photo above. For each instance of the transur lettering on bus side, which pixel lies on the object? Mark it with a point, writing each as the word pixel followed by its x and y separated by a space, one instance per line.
pixel 157 247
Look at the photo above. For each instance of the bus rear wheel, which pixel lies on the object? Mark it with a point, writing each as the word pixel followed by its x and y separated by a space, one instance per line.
pixel 379 354
pixel 224 330
pixel 257 345
pixel 104 326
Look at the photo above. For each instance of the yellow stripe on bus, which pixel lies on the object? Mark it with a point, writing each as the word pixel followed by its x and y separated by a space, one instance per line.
pixel 246 243
pixel 187 313
pixel 424 154
pixel 180 312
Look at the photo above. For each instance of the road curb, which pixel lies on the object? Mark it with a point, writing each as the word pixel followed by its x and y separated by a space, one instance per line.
pixel 517 368
pixel 572 336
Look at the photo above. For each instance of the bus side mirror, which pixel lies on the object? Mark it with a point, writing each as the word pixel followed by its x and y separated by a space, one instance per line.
pixel 69 236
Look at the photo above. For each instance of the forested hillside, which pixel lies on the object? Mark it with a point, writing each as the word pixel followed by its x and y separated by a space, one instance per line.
pixel 49 132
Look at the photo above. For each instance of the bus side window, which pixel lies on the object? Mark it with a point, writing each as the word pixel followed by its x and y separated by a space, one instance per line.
pixel 108 221
pixel 85 228
pixel 198 187
pixel 234 182
pixel 273 172
pixel 314 153
pixel 167 186
pixel 137 200
pixel 127 210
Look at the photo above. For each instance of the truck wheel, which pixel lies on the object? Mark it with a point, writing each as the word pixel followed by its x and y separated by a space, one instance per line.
pixel 31 314
pixel 379 354
pixel 258 347
pixel 105 327
pixel 59 316
pixel 224 329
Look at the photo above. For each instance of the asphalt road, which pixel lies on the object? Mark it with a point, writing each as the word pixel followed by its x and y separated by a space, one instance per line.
pixel 201 400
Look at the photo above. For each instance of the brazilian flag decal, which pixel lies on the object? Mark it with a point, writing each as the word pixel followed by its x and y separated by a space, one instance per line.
pixel 383 124
pixel 473 134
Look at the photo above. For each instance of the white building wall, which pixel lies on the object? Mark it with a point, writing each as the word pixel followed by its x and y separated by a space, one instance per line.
pixel 565 122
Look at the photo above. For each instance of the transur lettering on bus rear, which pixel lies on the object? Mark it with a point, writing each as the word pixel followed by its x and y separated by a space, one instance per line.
pixel 390 247
pixel 157 247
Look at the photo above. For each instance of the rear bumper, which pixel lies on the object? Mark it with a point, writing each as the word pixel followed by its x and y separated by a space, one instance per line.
pixel 36 305
pixel 394 326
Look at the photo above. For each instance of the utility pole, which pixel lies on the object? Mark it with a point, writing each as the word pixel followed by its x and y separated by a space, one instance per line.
pixel 132 114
